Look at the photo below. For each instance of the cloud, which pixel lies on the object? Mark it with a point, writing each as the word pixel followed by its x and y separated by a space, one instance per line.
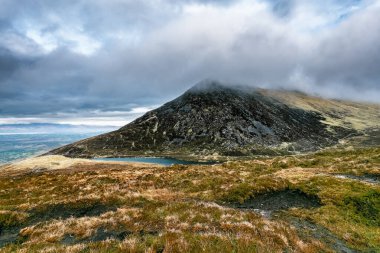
pixel 76 57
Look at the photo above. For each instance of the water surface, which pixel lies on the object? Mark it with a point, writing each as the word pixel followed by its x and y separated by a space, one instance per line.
pixel 154 160
pixel 20 146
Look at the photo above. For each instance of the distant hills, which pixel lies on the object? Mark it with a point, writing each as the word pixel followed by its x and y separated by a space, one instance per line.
pixel 216 119
pixel 47 128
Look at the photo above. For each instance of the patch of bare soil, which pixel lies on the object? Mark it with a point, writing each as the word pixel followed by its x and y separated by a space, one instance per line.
pixel 372 179
pixel 307 229
pixel 280 200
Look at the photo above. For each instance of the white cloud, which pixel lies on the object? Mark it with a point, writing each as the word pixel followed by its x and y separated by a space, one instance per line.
pixel 80 43
pixel 46 42
pixel 89 118
pixel 74 39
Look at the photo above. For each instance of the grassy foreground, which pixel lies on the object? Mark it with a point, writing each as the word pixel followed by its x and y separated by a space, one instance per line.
pixel 88 206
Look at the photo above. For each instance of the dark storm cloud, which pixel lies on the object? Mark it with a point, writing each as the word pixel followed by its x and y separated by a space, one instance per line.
pixel 8 64
pixel 101 56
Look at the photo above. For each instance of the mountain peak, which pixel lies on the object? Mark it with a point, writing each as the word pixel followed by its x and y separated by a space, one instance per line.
pixel 213 86
pixel 207 85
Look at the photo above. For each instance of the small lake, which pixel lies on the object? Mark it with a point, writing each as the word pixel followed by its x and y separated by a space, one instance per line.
pixel 154 160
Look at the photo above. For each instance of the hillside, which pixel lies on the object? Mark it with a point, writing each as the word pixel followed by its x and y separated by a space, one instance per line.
pixel 214 119
pixel 323 202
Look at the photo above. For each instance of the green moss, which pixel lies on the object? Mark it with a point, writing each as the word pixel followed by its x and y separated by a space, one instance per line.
pixel 280 165
pixel 364 208
pixel 242 191
pixel 11 219
pixel 238 193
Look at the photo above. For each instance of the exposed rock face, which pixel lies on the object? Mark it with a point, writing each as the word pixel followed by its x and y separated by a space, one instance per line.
pixel 213 118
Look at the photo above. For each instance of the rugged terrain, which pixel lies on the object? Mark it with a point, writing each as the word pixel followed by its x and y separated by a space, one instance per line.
pixel 323 202
pixel 213 119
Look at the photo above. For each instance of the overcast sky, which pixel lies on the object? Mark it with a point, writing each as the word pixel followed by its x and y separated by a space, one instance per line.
pixel 109 61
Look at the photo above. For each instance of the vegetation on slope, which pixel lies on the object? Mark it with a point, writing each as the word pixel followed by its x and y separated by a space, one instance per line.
pixel 114 207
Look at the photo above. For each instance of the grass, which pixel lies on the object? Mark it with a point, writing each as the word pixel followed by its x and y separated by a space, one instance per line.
pixel 103 207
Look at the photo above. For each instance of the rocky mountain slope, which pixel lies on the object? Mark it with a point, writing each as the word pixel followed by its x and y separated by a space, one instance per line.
pixel 215 119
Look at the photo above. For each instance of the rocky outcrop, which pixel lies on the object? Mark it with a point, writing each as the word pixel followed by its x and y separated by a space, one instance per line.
pixel 212 118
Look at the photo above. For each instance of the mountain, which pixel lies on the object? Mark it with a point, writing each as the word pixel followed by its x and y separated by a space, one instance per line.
pixel 213 118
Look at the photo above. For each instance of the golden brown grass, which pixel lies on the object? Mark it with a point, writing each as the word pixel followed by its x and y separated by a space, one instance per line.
pixel 188 208
pixel 358 116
